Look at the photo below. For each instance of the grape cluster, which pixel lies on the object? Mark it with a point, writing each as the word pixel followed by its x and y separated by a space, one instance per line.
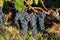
pixel 41 16
pixel 2 17
pixel 20 16
pixel 24 18
pixel 27 16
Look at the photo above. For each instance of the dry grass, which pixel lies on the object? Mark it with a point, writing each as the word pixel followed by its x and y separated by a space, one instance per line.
pixel 11 33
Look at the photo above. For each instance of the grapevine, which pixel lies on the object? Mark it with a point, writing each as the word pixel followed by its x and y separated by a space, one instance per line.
pixel 30 15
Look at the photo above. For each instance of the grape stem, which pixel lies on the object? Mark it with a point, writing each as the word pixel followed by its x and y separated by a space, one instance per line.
pixel 44 5
pixel 34 8
pixel 31 6
pixel 42 10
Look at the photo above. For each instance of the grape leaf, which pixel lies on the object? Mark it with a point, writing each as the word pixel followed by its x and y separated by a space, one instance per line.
pixel 19 5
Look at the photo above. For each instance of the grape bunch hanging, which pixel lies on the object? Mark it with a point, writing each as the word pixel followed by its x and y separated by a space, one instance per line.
pixel 25 13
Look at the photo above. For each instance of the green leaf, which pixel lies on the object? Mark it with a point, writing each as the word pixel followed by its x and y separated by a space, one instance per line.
pixel 36 1
pixel 31 1
pixel 19 5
